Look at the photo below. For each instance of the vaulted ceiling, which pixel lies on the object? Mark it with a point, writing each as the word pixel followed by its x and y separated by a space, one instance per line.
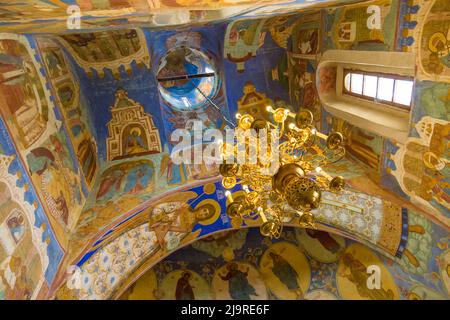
pixel 86 134
pixel 39 16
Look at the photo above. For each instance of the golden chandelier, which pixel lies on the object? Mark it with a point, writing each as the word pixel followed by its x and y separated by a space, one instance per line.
pixel 296 184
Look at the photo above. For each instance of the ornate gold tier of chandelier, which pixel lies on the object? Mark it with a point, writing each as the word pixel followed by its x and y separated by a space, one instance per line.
pixel 299 179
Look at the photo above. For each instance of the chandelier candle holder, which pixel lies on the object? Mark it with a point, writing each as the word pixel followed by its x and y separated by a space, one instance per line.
pixel 294 186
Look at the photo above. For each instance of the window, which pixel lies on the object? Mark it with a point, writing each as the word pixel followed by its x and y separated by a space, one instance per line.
pixel 370 90
pixel 378 87
pixel 186 78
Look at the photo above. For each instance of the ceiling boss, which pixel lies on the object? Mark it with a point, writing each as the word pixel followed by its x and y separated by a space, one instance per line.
pixel 295 184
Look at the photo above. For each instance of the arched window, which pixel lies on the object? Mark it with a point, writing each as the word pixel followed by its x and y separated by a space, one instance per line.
pixel 371 90
pixel 382 88
pixel 187 78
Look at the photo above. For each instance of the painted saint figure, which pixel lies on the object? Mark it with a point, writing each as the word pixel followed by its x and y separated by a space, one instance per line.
pixel 238 285
pixel 16 227
pixel 286 273
pixel 204 212
pixel 184 290
pixel 439 46
pixel 138 178
pixel 18 288
pixel 174 174
pixel 358 276
pixel 110 183
pixel 178 64
pixel 55 63
pixel 325 239
pixel 134 144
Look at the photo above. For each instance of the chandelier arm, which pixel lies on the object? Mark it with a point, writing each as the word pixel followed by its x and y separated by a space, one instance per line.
pixel 313 141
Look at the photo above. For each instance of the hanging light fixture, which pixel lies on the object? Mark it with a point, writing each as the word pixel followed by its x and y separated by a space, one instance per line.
pixel 298 180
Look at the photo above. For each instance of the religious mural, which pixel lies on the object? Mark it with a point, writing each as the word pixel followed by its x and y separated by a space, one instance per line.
pixel 434 47
pixel 178 219
pixel 254 103
pixel 372 157
pixel 44 145
pixel 93 176
pixel 24 100
pixel 169 223
pixel 352 271
pixel 306 42
pixel 422 166
pixel 29 252
pixel 307 35
pixel 22 269
pixel 132 132
pixel 73 108
pixel 302 86
pixel 351 29
pixel 416 169
pixel 129 177
pixel 363 146
pixel 37 16
pixel 53 169
pixel 280 29
pixel 110 49
pixel 134 150
pixel 302 264
pixel 242 40
pixel 261 77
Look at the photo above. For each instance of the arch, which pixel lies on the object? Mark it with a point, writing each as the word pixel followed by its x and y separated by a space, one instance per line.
pixel 360 217
pixel 344 269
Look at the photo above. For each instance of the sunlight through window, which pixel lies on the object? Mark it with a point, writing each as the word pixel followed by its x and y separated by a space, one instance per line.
pixel 387 89
pixel 403 92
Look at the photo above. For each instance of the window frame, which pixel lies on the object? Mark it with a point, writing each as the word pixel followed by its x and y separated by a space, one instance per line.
pixel 394 77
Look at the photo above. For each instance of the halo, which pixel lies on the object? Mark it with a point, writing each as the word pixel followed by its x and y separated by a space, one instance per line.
pixel 136 129
pixel 216 214
pixel 428 158
pixel 438 36
pixel 209 188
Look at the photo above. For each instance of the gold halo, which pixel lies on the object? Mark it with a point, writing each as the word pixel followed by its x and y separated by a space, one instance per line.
pixel 438 36
pixel 216 214
pixel 428 157
pixel 136 129
pixel 209 188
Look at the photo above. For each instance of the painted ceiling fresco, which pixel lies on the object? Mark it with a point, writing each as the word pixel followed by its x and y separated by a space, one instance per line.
pixel 91 199
pixel 176 220
pixel 302 264
pixel 69 15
